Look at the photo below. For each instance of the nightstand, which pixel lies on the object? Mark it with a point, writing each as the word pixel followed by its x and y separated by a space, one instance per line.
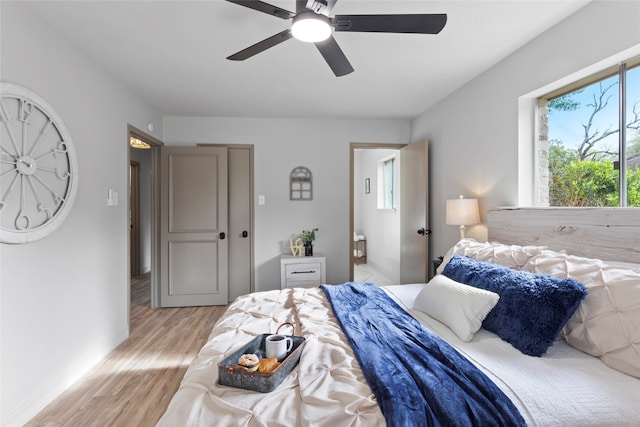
pixel 302 271
pixel 436 263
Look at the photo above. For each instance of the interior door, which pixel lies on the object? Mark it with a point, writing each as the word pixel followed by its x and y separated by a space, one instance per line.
pixel 414 222
pixel 193 226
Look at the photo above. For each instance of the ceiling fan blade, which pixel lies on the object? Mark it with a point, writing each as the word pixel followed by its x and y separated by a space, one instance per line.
pixel 418 23
pixel 267 8
pixel 261 46
pixel 334 56
pixel 320 6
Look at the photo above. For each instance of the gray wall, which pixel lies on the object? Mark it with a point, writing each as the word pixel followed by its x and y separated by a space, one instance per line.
pixel 279 146
pixel 480 137
pixel 64 299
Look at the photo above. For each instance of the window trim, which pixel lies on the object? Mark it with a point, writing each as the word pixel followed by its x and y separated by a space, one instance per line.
pixel 590 79
pixel 381 184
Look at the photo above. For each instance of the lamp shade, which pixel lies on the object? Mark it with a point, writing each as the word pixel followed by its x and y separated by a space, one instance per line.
pixel 462 211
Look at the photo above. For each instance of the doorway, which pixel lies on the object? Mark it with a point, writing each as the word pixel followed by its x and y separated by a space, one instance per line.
pixel 141 199
pixel 411 210
pixel 375 230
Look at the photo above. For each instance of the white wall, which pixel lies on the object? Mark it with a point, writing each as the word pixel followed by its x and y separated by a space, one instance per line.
pixel 64 299
pixel 381 227
pixel 474 133
pixel 279 146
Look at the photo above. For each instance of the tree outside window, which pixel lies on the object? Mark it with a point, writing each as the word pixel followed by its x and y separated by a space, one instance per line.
pixel 582 155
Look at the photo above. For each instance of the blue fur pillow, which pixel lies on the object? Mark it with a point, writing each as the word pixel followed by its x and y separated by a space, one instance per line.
pixel 532 308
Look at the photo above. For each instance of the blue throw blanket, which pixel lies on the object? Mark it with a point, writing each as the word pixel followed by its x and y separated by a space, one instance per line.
pixel 418 378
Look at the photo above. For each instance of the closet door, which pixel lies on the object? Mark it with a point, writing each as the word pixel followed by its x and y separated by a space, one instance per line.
pixel 193 226
pixel 240 221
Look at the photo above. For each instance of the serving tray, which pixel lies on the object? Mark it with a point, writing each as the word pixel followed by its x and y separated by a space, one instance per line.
pixel 234 375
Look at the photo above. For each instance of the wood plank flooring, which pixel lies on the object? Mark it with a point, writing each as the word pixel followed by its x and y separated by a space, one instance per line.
pixel 133 385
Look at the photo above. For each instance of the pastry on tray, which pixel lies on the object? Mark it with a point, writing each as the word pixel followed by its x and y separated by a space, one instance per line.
pixel 249 361
pixel 268 364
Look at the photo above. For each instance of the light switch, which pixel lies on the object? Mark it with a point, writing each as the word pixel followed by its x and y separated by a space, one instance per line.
pixel 112 198
pixel 261 199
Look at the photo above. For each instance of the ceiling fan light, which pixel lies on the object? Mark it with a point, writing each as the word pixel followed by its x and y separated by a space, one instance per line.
pixel 311 27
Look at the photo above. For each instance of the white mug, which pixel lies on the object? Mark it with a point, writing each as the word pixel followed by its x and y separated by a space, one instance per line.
pixel 278 346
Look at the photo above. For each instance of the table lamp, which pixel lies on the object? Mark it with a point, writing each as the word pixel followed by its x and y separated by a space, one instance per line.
pixel 462 212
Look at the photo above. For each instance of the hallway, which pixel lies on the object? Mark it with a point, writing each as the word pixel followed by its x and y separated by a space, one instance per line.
pixel 365 273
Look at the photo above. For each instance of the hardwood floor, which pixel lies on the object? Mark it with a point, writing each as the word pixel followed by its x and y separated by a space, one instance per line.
pixel 133 385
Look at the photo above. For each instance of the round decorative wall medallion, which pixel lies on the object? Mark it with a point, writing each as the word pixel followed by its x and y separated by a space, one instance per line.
pixel 38 166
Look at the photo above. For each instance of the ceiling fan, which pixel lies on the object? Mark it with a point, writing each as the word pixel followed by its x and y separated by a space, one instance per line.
pixel 311 23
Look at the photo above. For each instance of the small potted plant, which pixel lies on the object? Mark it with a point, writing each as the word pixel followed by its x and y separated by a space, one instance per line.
pixel 308 236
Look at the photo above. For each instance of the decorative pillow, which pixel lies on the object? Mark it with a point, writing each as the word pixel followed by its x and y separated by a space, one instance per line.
pixel 532 308
pixel 461 307
pixel 512 256
pixel 607 323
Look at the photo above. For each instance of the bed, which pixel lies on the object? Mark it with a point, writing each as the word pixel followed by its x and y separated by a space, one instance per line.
pixel 587 373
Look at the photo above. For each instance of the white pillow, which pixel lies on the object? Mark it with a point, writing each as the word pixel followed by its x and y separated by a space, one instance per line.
pixel 461 307
pixel 512 256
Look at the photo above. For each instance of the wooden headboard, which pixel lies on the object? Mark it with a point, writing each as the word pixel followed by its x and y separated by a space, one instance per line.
pixel 606 233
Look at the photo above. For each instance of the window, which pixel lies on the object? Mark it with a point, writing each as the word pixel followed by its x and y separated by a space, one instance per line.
pixel 389 201
pixel 582 155
pixel 386 183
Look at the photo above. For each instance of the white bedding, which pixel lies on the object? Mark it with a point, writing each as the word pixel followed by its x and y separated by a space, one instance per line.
pixel 327 388
pixel 564 388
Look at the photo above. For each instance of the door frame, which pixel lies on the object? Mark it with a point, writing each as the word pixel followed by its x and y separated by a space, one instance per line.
pixel 353 146
pixel 154 214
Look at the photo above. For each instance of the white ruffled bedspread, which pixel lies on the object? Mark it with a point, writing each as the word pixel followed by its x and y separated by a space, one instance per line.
pixel 327 388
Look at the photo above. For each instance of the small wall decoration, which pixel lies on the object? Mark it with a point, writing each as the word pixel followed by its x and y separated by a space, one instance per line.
pixel 367 186
pixel 300 184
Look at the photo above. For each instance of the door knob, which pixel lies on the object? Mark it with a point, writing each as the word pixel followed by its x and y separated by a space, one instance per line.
pixel 222 236
pixel 245 234
pixel 424 232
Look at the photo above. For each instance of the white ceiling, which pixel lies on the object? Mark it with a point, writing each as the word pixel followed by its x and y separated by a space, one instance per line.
pixel 172 54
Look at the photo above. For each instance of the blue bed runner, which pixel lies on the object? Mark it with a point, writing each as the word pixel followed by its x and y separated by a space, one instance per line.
pixel 417 377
